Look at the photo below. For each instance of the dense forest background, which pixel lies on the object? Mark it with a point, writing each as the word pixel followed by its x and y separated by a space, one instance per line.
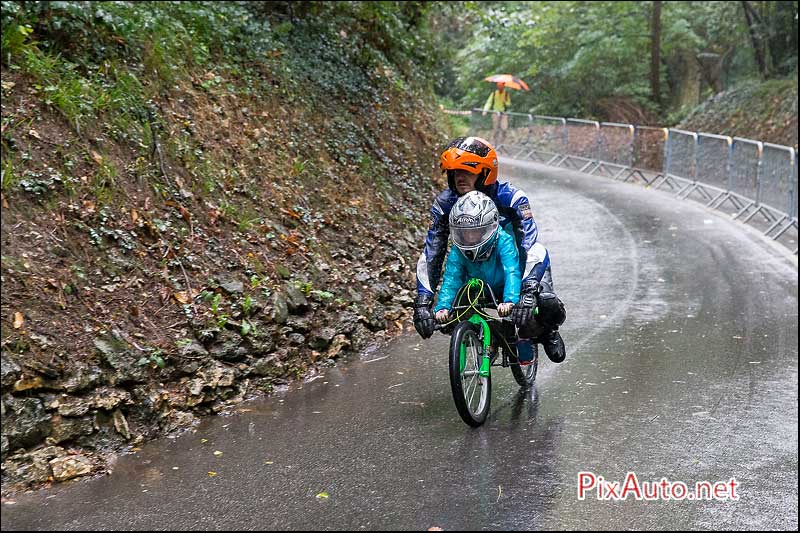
pixel 641 62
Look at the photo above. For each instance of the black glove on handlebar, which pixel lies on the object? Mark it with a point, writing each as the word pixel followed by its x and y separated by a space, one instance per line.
pixel 522 313
pixel 424 322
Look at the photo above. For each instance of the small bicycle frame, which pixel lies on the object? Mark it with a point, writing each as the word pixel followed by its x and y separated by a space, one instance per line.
pixel 476 339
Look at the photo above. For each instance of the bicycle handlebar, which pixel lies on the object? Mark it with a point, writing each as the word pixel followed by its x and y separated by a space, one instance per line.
pixel 489 305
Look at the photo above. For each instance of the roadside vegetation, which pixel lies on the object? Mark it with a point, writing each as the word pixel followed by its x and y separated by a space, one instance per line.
pixel 202 201
pixel 648 63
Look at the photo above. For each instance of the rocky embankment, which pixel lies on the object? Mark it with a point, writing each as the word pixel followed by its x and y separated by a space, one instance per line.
pixel 245 246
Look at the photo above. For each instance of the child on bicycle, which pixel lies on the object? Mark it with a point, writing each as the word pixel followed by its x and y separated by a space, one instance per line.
pixel 483 250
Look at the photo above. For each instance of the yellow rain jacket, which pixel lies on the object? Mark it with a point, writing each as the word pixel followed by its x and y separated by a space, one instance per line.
pixel 498 101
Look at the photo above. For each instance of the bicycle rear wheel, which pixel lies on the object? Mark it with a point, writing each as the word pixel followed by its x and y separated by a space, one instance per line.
pixel 524 375
pixel 472 392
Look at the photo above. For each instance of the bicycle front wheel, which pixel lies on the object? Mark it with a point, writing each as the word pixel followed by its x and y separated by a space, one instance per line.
pixel 472 392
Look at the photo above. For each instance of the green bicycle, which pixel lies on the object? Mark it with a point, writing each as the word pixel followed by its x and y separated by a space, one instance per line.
pixel 477 341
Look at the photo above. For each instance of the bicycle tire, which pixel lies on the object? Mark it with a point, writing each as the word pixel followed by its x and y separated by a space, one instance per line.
pixel 464 381
pixel 525 376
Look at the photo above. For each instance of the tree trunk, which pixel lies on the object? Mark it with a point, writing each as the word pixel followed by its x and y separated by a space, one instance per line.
pixel 655 53
pixel 752 19
pixel 687 79
pixel 711 66
pixel 781 20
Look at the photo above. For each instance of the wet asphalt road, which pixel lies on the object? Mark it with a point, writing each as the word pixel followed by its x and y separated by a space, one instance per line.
pixel 682 364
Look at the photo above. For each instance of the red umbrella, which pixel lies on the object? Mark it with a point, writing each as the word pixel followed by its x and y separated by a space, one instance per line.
pixel 510 81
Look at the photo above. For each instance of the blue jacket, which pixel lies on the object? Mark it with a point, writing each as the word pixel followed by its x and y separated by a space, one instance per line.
pixel 516 218
pixel 500 271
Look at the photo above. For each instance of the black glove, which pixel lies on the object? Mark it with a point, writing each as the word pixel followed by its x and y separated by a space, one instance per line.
pixel 424 322
pixel 522 313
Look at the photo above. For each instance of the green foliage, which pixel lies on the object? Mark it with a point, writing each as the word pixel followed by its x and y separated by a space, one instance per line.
pixel 14 39
pixel 304 287
pixel 247 328
pixel 283 272
pixel 366 166
pixel 387 42
pixel 154 359
pixel 215 301
pixel 322 295
pixel 741 111
pixel 298 166
pixel 173 35
pixel 247 305
pixel 775 30
pixel 570 53
pixel 108 60
pixel 10 178
pixel 679 114
pixel 576 56
pixel 38 184
pixel 243 217
pixel 89 58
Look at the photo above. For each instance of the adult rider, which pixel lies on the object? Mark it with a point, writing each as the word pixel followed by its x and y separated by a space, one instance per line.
pixel 471 164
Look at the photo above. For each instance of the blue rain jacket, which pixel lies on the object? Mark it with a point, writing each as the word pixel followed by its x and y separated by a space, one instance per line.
pixel 500 271
pixel 516 218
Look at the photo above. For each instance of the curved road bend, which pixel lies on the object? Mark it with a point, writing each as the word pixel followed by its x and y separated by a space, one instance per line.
pixel 682 364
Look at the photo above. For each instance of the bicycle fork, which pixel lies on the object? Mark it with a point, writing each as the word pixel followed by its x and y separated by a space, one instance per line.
pixel 485 336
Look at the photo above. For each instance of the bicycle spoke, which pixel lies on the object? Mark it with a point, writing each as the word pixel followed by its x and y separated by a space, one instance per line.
pixel 473 386
pixel 474 381
pixel 470 385
pixel 470 396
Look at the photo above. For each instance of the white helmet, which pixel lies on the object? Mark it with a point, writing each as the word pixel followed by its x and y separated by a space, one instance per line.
pixel 474 224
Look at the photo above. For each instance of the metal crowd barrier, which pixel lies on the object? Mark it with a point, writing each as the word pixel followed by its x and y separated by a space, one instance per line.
pixel 756 182
pixel 614 149
pixel 743 177
pixel 582 140
pixel 649 154
pixel 548 139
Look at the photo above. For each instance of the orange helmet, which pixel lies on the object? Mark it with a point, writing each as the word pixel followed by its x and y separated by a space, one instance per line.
pixel 473 154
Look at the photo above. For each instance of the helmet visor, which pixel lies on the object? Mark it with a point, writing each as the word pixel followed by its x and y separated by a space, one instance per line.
pixel 472 237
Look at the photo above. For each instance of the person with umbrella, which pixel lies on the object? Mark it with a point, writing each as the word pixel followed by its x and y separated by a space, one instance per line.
pixel 499 102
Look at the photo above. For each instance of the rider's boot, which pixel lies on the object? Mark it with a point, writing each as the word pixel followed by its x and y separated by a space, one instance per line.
pixel 525 351
pixel 554 346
